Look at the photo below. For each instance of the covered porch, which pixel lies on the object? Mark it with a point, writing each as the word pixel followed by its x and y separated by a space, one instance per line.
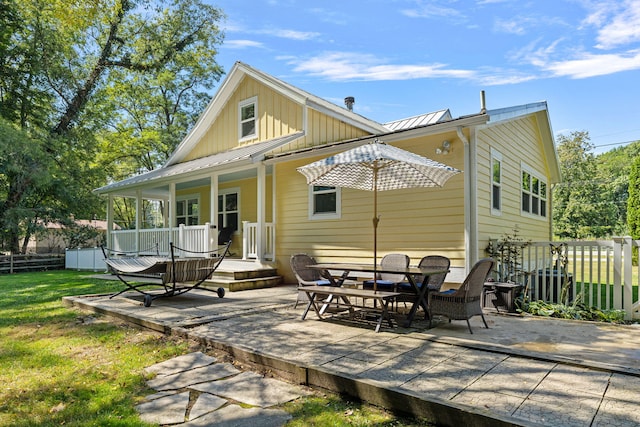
pixel 189 203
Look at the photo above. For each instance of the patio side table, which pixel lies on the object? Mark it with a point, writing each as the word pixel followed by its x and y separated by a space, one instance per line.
pixel 505 295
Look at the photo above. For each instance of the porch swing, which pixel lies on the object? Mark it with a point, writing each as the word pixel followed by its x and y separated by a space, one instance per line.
pixel 174 275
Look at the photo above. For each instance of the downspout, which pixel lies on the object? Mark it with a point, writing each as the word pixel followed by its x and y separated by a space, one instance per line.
pixel 470 205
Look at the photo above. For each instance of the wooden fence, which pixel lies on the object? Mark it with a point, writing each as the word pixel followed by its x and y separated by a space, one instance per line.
pixel 31 262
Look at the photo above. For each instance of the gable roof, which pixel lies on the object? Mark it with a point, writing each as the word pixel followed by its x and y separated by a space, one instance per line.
pixel 541 112
pixel 238 72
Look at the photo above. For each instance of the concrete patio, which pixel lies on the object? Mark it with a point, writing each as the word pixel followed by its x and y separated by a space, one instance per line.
pixel 522 371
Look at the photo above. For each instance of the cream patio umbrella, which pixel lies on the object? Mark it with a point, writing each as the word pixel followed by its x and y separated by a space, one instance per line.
pixel 375 167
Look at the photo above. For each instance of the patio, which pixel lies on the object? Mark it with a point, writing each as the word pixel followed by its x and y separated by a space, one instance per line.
pixel 521 371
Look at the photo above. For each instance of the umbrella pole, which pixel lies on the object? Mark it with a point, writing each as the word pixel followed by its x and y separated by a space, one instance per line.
pixel 375 227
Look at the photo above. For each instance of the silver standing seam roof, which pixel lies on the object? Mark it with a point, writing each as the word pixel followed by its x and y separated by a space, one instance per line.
pixel 251 153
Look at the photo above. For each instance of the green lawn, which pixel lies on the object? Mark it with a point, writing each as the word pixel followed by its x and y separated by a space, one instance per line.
pixel 65 367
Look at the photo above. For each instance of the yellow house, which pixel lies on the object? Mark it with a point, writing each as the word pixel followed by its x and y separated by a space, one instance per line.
pixel 237 168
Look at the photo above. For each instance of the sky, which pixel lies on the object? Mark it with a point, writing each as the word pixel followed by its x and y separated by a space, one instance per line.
pixel 401 58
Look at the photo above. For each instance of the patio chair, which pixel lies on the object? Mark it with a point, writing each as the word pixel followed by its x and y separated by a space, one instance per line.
pixel 307 276
pixel 388 281
pixel 462 303
pixel 434 283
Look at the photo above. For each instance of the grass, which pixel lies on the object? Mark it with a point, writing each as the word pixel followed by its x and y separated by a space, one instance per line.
pixel 64 367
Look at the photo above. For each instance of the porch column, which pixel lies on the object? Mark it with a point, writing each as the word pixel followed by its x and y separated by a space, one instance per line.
pixel 213 203
pixel 172 211
pixel 262 206
pixel 108 243
pixel 138 218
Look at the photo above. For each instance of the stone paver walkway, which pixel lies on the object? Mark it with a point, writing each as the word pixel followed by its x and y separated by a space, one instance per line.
pixel 195 390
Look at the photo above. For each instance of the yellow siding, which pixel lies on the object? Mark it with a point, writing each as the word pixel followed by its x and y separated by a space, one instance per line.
pixel 323 129
pixel 517 141
pixel 417 222
pixel 277 116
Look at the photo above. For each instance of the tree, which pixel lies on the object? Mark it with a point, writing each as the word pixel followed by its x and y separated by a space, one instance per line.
pixel 581 207
pixel 78 76
pixel 633 202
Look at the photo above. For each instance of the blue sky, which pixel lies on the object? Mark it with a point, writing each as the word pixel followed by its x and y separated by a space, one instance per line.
pixel 400 58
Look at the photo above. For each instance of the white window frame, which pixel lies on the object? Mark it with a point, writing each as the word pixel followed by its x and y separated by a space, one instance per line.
pixel 186 198
pixel 325 215
pixel 242 104
pixel 223 211
pixel 533 174
pixel 495 156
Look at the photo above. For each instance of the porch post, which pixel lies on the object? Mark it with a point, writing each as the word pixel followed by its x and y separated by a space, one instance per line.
pixel 213 204
pixel 138 218
pixel 108 243
pixel 172 212
pixel 262 206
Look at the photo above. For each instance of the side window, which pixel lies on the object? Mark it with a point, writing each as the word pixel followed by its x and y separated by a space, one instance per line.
pixel 188 211
pixel 248 122
pixel 534 193
pixel 228 210
pixel 496 182
pixel 324 202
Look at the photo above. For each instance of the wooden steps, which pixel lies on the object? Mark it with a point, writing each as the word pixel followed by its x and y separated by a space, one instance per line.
pixel 236 275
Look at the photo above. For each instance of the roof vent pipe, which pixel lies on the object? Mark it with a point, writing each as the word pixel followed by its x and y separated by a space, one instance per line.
pixel 483 103
pixel 349 101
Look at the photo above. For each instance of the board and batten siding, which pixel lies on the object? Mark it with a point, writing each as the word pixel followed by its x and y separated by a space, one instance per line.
pixel 417 222
pixel 519 142
pixel 323 129
pixel 277 116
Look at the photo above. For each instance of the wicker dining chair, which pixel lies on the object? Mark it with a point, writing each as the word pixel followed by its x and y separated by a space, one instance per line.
pixel 462 303
pixel 434 283
pixel 307 276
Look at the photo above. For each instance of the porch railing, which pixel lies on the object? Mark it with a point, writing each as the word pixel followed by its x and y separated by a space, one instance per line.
pixel 202 238
pixel 602 274
pixel 250 248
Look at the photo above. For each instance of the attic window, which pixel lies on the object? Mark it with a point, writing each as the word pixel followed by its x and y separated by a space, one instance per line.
pixel 248 124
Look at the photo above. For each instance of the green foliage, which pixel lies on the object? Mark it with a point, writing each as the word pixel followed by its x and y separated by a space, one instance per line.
pixel 101 89
pixel 582 209
pixel 633 202
pixel 576 311
pixel 508 252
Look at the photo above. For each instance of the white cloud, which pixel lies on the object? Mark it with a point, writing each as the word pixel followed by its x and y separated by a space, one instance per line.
pixel 241 44
pixel 513 26
pixel 343 66
pixel 432 9
pixel 617 22
pixel 591 65
pixel 288 34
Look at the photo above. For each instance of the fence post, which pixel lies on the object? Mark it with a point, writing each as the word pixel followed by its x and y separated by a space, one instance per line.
pixel 617 272
pixel 11 263
pixel 627 296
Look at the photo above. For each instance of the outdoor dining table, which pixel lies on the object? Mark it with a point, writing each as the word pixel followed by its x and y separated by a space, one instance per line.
pixel 409 272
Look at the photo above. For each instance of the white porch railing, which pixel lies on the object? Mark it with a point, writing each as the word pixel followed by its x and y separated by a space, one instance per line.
pixel 250 248
pixel 602 274
pixel 202 238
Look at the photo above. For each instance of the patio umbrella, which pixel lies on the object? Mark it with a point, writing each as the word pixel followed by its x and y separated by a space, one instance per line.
pixel 375 167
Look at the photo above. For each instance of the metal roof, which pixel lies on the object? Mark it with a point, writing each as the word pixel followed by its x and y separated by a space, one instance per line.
pixel 250 153
pixel 420 120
